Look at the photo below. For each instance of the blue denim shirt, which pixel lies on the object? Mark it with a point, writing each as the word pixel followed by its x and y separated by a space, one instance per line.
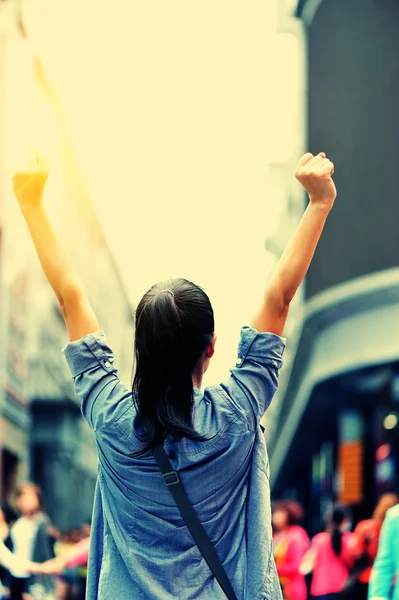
pixel 140 547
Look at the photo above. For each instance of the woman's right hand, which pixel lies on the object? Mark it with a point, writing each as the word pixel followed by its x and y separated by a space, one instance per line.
pixel 28 183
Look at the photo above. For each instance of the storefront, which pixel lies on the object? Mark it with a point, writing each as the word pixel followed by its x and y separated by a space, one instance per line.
pixel 43 436
pixel 14 280
pixel 335 433
pixel 339 436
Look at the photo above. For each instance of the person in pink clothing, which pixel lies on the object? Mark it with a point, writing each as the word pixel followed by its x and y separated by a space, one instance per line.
pixel 330 557
pixel 291 543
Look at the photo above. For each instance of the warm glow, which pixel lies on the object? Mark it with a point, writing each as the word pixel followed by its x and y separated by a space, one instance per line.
pixel 172 110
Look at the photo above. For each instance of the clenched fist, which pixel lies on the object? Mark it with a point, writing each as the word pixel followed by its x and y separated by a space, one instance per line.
pixel 315 174
pixel 28 184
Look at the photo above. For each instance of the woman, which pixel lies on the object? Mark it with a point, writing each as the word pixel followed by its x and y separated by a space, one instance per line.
pixel 330 557
pixel 140 546
pixel 291 543
pixel 8 561
pixel 30 541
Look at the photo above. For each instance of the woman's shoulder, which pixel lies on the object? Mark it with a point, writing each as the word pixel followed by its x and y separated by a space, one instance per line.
pixel 321 538
pixel 347 537
pixel 297 532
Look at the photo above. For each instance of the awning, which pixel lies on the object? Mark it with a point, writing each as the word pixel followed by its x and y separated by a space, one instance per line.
pixel 351 326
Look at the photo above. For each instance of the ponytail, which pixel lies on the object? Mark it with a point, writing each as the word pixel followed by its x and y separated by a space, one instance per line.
pixel 174 325
pixel 336 540
pixel 338 516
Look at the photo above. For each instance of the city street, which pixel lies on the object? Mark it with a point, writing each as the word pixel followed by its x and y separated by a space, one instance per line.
pixel 170 135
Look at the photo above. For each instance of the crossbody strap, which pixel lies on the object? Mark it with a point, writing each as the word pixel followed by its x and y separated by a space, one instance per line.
pixel 173 483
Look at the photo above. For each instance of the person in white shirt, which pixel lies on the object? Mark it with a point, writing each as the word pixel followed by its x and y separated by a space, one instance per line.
pixel 30 540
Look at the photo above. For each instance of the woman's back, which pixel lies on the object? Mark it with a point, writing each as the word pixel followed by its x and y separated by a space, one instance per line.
pixel 174 342
pixel 143 548
pixel 330 571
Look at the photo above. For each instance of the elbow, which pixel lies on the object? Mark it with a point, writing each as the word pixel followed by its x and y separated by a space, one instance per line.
pixel 70 296
pixel 279 299
pixel 287 296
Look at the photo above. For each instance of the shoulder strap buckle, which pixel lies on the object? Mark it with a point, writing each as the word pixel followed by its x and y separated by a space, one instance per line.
pixel 171 478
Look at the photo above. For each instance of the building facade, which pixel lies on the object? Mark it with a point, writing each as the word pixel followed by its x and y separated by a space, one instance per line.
pixel 43 436
pixel 336 437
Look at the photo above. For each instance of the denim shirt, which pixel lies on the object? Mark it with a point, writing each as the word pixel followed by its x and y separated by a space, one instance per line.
pixel 141 548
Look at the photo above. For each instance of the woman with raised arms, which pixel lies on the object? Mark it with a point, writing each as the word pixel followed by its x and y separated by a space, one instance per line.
pixel 140 545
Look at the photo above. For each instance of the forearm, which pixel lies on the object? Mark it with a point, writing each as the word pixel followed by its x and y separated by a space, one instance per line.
pixel 290 271
pixel 78 556
pixel 297 256
pixel 314 173
pixel 28 186
pixel 7 558
pixel 10 562
pixel 54 259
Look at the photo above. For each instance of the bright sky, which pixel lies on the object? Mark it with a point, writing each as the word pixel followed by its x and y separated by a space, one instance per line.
pixel 176 109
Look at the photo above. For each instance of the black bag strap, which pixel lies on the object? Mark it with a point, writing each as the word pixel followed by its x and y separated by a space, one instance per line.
pixel 173 483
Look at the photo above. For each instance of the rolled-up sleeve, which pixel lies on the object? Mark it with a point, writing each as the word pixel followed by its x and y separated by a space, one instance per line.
pixel 253 380
pixel 91 362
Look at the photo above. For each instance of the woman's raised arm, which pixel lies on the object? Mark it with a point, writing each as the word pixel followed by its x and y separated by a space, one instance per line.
pixel 28 186
pixel 314 173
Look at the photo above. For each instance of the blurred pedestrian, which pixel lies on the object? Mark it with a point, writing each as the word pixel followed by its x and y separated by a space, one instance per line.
pixel 8 516
pixel 291 543
pixel 363 548
pixel 30 541
pixel 65 580
pixel 384 584
pixel 140 546
pixel 328 558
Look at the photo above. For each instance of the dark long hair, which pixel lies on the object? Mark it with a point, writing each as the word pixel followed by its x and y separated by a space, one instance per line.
pixel 338 516
pixel 174 326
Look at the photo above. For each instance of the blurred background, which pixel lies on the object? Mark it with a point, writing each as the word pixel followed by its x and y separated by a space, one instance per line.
pixel 173 131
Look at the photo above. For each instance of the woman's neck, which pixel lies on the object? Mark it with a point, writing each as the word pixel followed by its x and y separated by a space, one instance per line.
pixel 197 380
